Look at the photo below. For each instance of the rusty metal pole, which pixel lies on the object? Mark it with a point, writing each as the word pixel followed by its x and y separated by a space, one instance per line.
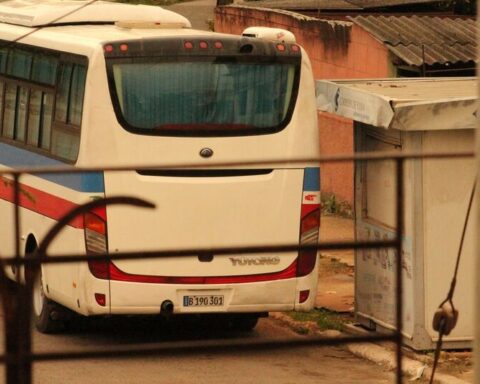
pixel 16 305
pixel 476 293
pixel 399 281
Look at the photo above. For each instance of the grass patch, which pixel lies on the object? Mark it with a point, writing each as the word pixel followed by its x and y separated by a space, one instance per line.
pixel 324 318
pixel 332 266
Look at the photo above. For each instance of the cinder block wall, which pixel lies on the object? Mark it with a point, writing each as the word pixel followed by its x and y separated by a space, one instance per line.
pixel 337 50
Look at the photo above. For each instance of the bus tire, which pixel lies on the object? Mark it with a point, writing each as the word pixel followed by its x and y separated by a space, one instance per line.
pixel 47 315
pixel 245 323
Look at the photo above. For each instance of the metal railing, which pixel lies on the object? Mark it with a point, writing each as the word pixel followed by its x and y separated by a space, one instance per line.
pixel 17 298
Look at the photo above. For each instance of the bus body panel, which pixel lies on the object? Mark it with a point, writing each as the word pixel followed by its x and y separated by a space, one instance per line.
pixel 204 212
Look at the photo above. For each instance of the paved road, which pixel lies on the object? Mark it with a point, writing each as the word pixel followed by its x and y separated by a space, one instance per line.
pixel 312 365
pixel 199 12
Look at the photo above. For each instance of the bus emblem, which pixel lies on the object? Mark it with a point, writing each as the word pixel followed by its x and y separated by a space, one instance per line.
pixel 243 261
pixel 206 152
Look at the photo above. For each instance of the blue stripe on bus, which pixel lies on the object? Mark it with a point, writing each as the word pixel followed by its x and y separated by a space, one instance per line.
pixel 14 157
pixel 311 180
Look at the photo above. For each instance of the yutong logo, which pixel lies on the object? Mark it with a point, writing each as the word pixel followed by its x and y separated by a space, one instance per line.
pixel 242 261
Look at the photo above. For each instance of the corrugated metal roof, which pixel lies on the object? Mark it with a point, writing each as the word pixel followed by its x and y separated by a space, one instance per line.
pixel 443 39
pixel 303 4
pixel 344 5
pixel 365 4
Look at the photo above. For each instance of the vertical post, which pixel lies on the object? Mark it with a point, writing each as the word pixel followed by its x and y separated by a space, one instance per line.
pixel 399 282
pixel 476 293
pixel 17 300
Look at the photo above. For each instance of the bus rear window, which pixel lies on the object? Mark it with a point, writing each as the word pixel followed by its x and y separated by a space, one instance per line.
pixel 204 98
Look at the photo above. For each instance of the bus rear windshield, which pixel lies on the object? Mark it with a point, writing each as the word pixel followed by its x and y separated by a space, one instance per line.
pixel 204 98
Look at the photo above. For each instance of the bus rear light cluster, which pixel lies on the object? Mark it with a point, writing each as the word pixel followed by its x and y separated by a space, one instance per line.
pixel 308 236
pixel 283 48
pixel 95 233
pixel 202 45
pixel 108 48
pixel 309 221
pixel 96 241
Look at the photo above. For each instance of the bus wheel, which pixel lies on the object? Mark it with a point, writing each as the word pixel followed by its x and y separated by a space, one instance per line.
pixel 245 323
pixel 47 314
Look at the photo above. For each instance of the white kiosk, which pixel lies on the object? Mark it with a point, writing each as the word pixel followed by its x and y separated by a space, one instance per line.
pixel 412 115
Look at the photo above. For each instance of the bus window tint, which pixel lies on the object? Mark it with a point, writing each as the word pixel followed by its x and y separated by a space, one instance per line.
pixel 76 95
pixel 44 69
pixel 19 64
pixel 9 113
pixel 63 92
pixel 21 114
pixel 65 143
pixel 47 110
pixel 203 95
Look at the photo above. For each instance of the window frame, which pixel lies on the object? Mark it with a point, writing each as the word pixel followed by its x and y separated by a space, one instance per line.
pixel 254 131
pixel 47 90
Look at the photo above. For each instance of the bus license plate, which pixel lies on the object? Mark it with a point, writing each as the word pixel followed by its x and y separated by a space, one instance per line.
pixel 203 301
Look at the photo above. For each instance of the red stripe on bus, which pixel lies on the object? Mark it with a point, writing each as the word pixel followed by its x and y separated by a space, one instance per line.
pixel 40 202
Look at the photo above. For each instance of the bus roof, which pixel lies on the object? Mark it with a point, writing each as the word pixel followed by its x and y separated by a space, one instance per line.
pixel 37 13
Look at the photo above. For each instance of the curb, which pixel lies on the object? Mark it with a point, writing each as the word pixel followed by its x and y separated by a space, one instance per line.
pixel 380 355
pixel 386 357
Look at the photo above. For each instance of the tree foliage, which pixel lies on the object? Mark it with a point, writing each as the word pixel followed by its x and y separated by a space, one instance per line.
pixel 460 7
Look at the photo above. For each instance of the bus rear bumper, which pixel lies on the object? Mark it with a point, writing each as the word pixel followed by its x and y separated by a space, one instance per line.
pixel 129 298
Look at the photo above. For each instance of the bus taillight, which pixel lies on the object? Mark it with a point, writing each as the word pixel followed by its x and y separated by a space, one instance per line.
pixel 308 236
pixel 96 242
pixel 309 221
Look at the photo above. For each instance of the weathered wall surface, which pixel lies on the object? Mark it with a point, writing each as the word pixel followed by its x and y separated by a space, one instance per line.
pixel 338 50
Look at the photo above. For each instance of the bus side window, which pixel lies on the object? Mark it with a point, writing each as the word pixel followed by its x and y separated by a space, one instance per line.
pixel 40 119
pixel 21 114
pixel 68 111
pixel 9 114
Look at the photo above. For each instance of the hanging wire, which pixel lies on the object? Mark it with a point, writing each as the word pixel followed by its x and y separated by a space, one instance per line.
pixel 446 316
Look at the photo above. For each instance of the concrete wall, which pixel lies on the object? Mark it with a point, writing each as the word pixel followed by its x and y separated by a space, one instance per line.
pixel 338 50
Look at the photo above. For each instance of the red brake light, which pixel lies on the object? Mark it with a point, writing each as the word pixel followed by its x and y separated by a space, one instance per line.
pixel 99 269
pixel 218 44
pixel 203 45
pixel 309 228
pixel 188 45
pixel 108 48
pixel 281 47
pixel 124 47
pixel 108 270
pixel 295 48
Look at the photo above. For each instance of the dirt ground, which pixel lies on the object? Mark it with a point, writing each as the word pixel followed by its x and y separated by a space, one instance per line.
pixel 336 274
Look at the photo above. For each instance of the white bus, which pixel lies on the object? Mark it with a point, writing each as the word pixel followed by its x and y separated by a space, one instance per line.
pixel 128 85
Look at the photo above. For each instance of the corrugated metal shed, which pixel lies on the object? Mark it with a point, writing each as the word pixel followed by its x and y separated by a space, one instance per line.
pixel 339 5
pixel 442 40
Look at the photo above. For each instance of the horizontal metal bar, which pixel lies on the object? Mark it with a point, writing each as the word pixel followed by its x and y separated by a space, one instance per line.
pixel 194 348
pixel 321 159
pixel 196 251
